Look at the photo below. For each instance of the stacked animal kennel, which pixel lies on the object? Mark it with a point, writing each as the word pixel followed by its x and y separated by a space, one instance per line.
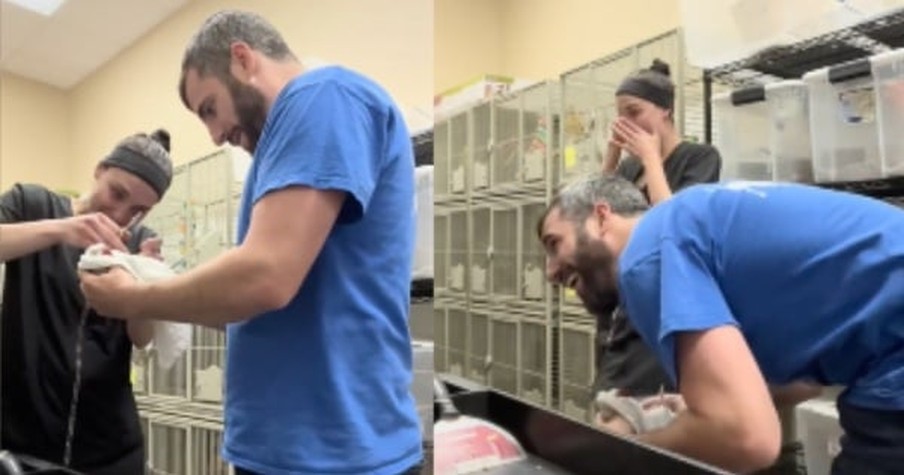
pixel 497 165
pixel 181 406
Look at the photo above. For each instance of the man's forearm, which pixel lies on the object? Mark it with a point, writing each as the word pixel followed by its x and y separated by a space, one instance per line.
pixel 22 239
pixel 694 437
pixel 794 393
pixel 233 287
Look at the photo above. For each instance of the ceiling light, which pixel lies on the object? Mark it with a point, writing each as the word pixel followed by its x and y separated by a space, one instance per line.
pixel 43 7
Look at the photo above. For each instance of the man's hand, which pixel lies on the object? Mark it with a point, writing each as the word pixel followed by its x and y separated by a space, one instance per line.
pixel 89 229
pixel 642 144
pixel 151 247
pixel 616 424
pixel 111 294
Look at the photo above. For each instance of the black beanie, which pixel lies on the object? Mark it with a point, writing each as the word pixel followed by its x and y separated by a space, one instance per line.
pixel 651 84
pixel 153 167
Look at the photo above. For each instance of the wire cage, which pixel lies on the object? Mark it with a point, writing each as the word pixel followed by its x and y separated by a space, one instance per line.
pixel 208 360
pixel 481 248
pixel 170 220
pixel 577 351
pixel 167 444
pixel 589 103
pixel 503 364
pixel 589 109
pixel 534 288
pixel 457 279
pixel 535 348
pixel 459 153
pixel 525 138
pixel 178 444
pixel 441 249
pixel 441 174
pixel 440 337
pixel 457 343
pixel 479 357
pixel 504 261
pixel 172 381
pixel 481 143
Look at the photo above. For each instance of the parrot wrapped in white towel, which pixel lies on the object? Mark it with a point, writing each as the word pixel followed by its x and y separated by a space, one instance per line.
pixel 171 339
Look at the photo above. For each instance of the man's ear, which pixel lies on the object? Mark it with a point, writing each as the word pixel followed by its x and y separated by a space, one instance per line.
pixel 243 64
pixel 601 214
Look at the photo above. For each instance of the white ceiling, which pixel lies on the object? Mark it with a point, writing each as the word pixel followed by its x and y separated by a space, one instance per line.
pixel 79 38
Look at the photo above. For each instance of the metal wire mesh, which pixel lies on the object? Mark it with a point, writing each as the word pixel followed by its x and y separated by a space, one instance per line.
pixel 504 364
pixel 458 340
pixel 479 351
pixel 505 253
pixel 534 362
pixel 481 145
pixel 576 370
pixel 458 153
pixel 480 249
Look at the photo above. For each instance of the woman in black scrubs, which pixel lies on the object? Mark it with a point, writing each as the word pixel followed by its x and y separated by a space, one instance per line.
pixel 646 148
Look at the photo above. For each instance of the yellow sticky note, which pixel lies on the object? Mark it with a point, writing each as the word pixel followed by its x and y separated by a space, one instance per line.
pixel 571 157
pixel 570 293
pixel 133 376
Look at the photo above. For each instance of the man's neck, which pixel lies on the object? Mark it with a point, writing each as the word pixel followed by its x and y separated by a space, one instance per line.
pixel 669 143
pixel 281 74
pixel 624 230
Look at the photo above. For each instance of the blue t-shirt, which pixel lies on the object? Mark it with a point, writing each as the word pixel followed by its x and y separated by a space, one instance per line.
pixel 813 278
pixel 322 385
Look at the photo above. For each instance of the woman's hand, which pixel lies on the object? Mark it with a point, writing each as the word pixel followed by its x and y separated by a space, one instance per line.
pixel 638 142
pixel 86 230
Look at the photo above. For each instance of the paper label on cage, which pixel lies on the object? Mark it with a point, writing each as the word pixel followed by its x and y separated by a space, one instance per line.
pixel 457 277
pixel 458 180
pixel 571 157
pixel 209 384
pixel 533 165
pixel 478 279
pixel 533 282
pixel 857 106
pixel 481 177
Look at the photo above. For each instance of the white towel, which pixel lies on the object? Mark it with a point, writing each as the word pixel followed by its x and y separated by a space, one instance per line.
pixel 609 403
pixel 171 339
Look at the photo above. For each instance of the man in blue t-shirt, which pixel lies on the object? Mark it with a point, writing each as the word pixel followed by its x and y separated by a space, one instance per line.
pixel 315 295
pixel 746 286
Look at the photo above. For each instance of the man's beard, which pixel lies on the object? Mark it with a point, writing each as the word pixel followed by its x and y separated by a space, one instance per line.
pixel 594 264
pixel 251 110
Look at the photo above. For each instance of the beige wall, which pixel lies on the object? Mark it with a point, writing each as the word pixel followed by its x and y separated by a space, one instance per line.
pixel 56 137
pixel 539 39
pixel 34 134
pixel 386 39
pixel 468 40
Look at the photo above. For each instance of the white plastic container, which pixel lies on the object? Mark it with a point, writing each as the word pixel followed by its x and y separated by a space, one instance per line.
pixel 790 136
pixel 820 432
pixel 422 264
pixel 765 133
pixel 743 140
pixel 844 122
pixel 888 73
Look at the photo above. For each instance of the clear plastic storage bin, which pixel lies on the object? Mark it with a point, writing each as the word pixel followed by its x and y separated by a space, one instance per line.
pixel 844 123
pixel 888 71
pixel 765 133
pixel 820 432
pixel 743 141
